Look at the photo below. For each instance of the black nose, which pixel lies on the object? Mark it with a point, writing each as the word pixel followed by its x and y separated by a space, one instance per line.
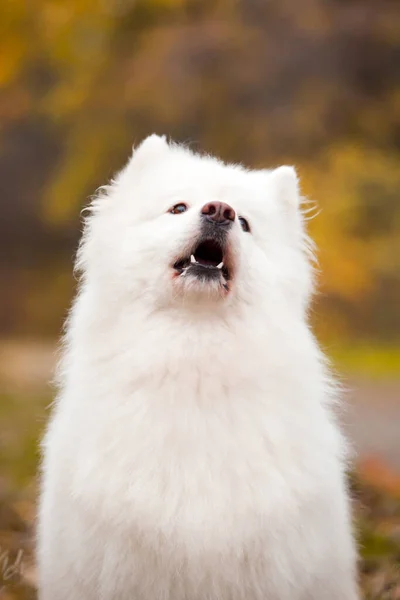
pixel 219 213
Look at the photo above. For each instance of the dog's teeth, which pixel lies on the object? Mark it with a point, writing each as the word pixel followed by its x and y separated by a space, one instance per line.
pixel 221 264
pixel 192 259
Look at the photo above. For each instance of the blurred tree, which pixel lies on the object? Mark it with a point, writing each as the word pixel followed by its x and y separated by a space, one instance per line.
pixel 255 81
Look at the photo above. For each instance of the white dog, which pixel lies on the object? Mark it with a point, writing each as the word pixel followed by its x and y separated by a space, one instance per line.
pixel 193 453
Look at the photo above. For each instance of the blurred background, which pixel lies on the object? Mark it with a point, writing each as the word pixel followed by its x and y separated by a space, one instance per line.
pixel 263 82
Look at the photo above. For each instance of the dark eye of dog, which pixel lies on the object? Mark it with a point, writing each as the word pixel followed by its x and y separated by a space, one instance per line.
pixel 245 225
pixel 178 209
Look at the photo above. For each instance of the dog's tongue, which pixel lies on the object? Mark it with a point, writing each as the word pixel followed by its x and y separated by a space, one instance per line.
pixel 208 254
pixel 205 262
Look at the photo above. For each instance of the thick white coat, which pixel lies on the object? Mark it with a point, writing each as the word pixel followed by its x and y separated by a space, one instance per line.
pixel 193 452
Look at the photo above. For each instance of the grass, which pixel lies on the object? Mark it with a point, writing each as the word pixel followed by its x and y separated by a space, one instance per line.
pixel 378 527
pixel 366 360
pixel 22 418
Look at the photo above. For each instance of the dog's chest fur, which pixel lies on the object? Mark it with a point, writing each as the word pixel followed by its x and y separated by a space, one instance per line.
pixel 200 457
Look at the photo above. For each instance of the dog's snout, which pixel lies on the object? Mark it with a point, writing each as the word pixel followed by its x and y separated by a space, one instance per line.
pixel 219 213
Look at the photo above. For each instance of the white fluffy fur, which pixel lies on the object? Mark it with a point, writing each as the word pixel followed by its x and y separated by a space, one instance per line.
pixel 193 453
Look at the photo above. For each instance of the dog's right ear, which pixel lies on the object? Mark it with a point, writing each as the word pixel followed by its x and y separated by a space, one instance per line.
pixel 149 150
pixel 152 147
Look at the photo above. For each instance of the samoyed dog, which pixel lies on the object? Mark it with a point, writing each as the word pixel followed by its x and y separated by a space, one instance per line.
pixel 193 452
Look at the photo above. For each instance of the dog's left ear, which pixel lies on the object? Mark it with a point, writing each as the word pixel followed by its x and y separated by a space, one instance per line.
pixel 286 184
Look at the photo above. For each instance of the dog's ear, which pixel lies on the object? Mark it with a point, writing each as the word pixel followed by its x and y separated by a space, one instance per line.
pixel 149 150
pixel 152 147
pixel 286 184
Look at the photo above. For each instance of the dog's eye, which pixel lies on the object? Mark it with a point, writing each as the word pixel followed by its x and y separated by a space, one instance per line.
pixel 178 209
pixel 245 225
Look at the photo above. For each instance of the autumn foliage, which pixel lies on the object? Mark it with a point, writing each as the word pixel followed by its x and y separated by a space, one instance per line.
pixel 252 81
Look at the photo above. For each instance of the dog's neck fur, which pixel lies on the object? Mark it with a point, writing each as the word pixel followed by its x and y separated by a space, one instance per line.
pixel 126 346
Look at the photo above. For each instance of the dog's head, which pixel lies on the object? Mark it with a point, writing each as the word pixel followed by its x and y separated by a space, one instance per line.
pixel 176 226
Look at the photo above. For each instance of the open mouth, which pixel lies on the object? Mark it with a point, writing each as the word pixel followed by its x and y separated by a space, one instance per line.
pixel 207 261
